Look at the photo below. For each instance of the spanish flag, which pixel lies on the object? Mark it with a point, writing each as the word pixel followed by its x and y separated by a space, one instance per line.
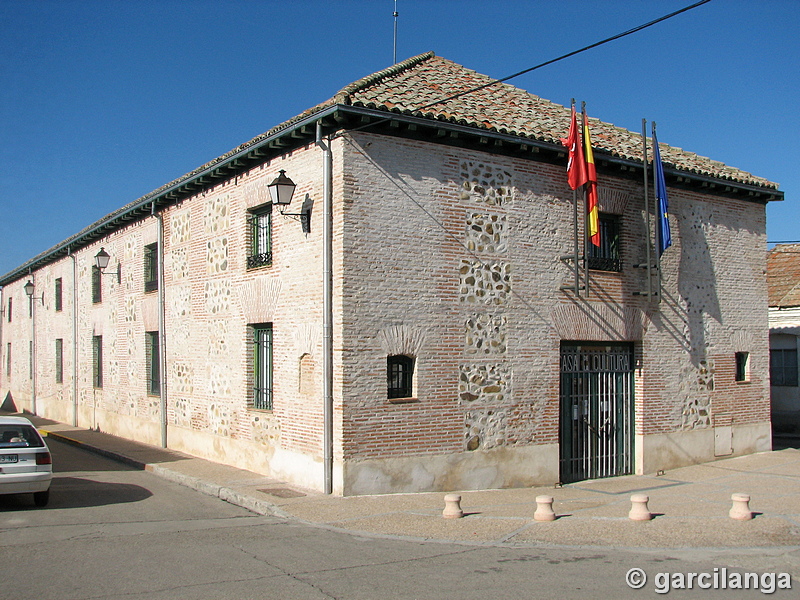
pixel 593 222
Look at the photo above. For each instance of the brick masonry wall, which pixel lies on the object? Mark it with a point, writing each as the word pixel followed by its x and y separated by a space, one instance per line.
pixel 448 255
pixel 485 307
pixel 210 299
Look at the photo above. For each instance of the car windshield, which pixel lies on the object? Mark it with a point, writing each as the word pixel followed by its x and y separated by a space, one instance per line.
pixel 19 436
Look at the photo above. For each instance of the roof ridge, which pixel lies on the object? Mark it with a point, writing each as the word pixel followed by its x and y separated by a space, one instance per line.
pixel 343 95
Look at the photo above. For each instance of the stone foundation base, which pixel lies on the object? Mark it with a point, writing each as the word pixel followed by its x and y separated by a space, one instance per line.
pixel 490 469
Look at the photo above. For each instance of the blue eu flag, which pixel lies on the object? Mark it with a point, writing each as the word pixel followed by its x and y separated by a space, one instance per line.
pixel 664 240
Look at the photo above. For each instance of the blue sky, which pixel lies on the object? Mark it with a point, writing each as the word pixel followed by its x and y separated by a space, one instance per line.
pixel 104 101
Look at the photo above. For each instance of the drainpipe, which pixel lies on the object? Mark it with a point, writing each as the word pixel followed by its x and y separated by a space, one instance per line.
pixel 162 348
pixel 327 308
pixel 74 338
pixel 33 342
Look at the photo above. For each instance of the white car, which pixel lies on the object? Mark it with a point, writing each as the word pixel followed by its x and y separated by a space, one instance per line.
pixel 25 462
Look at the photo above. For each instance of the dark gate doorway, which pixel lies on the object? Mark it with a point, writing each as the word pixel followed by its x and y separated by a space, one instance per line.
pixel 596 431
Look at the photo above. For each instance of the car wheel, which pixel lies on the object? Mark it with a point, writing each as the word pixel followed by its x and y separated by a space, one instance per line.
pixel 41 498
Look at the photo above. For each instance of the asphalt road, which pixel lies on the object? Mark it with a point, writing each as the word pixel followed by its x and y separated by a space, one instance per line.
pixel 115 532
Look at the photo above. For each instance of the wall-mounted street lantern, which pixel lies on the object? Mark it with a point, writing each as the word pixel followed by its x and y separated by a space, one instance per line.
pixel 281 191
pixel 29 289
pixel 101 262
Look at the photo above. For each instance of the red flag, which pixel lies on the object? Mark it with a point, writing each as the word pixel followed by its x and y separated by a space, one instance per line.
pixel 576 165
pixel 591 190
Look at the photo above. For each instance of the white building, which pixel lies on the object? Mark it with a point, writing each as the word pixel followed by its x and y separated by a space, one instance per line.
pixel 783 277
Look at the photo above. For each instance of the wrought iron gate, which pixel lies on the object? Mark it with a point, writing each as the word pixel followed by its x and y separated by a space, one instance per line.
pixel 596 436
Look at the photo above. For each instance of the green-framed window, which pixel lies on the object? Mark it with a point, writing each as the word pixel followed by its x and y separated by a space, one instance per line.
pixel 151 267
pixel 153 363
pixel 260 223
pixel 262 366
pixel 59 360
pixel 97 361
pixel 58 295
pixel 97 285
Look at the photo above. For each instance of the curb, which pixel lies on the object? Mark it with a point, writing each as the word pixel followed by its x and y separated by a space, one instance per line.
pixel 226 494
pixel 131 462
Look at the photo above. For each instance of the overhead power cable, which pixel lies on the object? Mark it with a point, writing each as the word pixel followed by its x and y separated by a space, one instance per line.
pixel 584 49
pixel 544 64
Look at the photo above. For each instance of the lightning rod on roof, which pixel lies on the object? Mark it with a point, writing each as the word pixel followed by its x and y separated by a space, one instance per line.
pixel 394 55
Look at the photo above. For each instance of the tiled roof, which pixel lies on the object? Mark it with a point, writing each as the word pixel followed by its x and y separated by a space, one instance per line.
pixel 783 275
pixel 411 85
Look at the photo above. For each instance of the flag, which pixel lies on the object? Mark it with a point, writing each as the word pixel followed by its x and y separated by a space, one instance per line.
pixel 664 240
pixel 576 166
pixel 592 210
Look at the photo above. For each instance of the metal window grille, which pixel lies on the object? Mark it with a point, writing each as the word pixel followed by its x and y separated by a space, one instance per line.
pixel 596 437
pixel 783 367
pixel 262 367
pixel 150 267
pixel 97 361
pixel 59 360
pixel 260 239
pixel 97 285
pixel 153 364
pixel 8 359
pixel 58 293
pixel 400 376
pixel 606 256
pixel 9 310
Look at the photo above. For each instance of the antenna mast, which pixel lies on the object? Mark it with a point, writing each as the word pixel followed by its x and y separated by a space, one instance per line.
pixel 394 57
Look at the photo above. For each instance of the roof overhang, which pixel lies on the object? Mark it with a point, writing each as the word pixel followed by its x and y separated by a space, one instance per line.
pixel 335 118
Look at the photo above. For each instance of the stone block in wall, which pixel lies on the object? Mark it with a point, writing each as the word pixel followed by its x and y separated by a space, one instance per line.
pixel 485 428
pixel 485 183
pixel 181 381
pixel 486 233
pixel 484 384
pixel 181 228
pixel 217 255
pixel 484 282
pixel 486 334
pixel 180 263
pixel 217 296
pixel 216 214
pixel 218 341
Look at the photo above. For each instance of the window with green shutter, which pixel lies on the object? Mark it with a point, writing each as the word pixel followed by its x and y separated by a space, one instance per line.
pixel 262 366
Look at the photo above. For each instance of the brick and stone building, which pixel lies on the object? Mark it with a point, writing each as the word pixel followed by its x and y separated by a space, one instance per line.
pixel 454 350
pixel 783 279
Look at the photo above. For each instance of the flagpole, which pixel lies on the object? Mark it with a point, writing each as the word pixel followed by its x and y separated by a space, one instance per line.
pixel 585 213
pixel 576 263
pixel 658 232
pixel 647 211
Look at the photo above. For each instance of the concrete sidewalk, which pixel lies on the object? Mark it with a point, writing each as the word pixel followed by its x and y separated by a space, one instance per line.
pixel 690 504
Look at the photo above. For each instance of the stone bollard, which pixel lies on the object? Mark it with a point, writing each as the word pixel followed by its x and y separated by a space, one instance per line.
pixel 544 509
pixel 639 510
pixel 452 507
pixel 740 510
